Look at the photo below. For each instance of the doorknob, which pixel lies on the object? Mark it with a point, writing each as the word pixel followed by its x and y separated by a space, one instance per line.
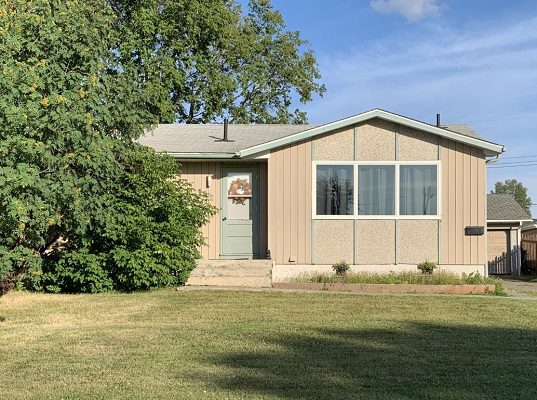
pixel 225 218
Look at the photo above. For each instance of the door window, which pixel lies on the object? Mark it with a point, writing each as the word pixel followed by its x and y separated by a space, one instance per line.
pixel 239 194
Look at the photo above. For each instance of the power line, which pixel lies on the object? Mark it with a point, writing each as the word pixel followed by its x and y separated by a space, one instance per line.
pixel 514 166
pixel 514 162
pixel 504 158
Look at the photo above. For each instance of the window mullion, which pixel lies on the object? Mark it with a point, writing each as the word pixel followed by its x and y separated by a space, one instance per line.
pixel 397 188
pixel 355 191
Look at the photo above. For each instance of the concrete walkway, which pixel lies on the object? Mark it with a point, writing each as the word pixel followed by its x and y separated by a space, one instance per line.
pixel 523 286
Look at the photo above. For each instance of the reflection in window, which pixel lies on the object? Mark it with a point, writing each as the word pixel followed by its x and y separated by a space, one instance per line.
pixel 335 186
pixel 376 190
pixel 418 190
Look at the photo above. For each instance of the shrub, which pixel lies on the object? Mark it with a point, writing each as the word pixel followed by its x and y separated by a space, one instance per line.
pixel 427 267
pixel 341 268
pixel 148 238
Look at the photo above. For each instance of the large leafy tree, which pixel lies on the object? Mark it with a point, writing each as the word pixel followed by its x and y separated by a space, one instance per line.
pixel 74 187
pixel 202 60
pixel 517 190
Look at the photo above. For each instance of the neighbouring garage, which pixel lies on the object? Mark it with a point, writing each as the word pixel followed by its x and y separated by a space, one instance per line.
pixel 504 221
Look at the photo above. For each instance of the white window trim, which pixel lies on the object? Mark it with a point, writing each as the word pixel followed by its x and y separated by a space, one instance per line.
pixel 397 165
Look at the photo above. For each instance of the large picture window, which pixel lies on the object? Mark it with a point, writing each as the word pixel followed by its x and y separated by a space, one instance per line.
pixel 398 189
pixel 418 190
pixel 335 190
pixel 376 189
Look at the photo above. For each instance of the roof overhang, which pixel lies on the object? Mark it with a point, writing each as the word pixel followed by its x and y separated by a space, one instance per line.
pixel 210 156
pixel 507 221
pixel 491 149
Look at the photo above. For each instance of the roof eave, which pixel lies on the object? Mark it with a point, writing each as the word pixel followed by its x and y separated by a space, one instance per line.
pixel 212 156
pixel 499 221
pixel 489 147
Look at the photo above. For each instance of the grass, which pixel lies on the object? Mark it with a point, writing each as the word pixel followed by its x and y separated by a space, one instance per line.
pixel 255 345
pixel 406 277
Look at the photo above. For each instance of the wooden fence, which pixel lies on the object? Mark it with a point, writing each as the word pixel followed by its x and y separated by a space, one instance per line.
pixel 500 265
pixel 529 252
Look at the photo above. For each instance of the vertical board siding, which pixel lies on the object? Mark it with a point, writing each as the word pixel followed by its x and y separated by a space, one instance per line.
pixel 467 199
pixel 196 173
pixel 463 203
pixel 289 204
pixel 263 185
pixel 293 197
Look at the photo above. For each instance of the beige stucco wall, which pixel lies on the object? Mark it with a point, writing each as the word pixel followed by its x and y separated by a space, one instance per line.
pixel 336 146
pixel 418 241
pixel 334 241
pixel 375 241
pixel 416 145
pixel 376 140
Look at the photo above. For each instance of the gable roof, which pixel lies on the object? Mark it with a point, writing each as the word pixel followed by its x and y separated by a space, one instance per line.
pixel 205 141
pixel 503 207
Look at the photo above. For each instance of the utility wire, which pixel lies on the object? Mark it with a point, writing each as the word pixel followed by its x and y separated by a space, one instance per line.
pixel 514 166
pixel 514 162
pixel 504 158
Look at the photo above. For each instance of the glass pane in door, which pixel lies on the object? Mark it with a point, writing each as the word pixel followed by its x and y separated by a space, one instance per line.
pixel 239 193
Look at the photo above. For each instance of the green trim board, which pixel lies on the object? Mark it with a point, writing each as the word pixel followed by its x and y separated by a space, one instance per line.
pixel 492 148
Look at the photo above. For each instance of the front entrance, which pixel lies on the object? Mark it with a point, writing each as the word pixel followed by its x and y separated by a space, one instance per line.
pixel 240 212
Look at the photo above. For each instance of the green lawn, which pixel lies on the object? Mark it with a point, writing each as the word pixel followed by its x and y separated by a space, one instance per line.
pixel 247 345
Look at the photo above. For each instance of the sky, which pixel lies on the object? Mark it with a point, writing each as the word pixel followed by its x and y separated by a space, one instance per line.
pixel 472 61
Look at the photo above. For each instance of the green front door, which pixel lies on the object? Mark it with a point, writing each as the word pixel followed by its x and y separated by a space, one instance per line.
pixel 240 212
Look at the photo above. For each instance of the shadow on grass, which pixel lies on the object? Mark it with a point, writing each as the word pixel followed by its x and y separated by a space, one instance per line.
pixel 421 361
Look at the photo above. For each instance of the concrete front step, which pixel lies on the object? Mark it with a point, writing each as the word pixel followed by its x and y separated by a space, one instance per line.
pixel 246 273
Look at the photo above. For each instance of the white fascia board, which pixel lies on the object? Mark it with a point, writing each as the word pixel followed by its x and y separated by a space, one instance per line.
pixel 398 119
pixel 507 221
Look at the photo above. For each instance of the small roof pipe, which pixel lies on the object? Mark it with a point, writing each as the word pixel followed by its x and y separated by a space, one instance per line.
pixel 226 122
pixel 438 120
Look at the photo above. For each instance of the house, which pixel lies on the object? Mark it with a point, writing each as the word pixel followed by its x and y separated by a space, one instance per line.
pixel 504 221
pixel 378 190
pixel 529 227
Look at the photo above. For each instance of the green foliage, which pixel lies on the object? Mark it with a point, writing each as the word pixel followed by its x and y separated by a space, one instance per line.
pixel 149 238
pixel 427 267
pixel 201 60
pixel 82 207
pixel 517 190
pixel 341 268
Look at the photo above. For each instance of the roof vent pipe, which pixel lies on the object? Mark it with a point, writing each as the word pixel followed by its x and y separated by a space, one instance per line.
pixel 226 122
pixel 438 120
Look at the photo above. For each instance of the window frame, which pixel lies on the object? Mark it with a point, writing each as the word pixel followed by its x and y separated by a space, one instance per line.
pixel 396 215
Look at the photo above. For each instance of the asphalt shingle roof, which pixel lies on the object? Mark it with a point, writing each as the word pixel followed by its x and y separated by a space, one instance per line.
pixel 463 129
pixel 207 138
pixel 503 207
